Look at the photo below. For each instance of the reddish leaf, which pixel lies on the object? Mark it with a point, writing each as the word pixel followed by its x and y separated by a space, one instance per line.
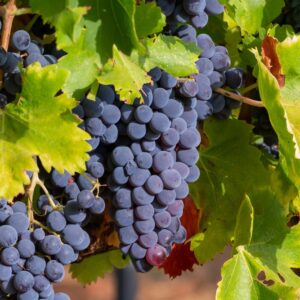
pixel 182 258
pixel 271 60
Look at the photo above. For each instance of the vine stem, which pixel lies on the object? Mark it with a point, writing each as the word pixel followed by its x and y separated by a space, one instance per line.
pixel 239 98
pixel 8 13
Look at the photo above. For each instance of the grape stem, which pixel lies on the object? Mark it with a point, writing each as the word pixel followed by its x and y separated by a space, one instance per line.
pixel 239 98
pixel 43 187
pixel 36 222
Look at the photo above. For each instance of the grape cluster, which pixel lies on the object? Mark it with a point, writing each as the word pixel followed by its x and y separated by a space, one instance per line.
pixel 184 18
pixel 195 12
pixel 24 52
pixel 148 164
pixel 24 272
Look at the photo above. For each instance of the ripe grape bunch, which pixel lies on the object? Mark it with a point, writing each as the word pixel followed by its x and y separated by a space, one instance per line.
pixel 184 18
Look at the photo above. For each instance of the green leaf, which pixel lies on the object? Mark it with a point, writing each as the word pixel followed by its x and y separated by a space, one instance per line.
pixel 283 104
pixel 40 124
pixel 279 253
pixel 149 19
pixel 230 168
pixel 113 23
pixel 96 266
pixel 171 54
pixel 80 60
pixel 65 18
pixel 262 13
pixel 48 8
pixel 244 224
pixel 72 37
pixel 127 77
pixel 240 281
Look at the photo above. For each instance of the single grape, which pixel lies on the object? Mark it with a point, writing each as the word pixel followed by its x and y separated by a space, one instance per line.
pixel 171 178
pixel 162 219
pixel 56 221
pixel 156 255
pixel 38 234
pixel 73 213
pixel 122 198
pixel 121 155
pixel 10 256
pixel 111 114
pixel 159 122
pixel 165 238
pixel 148 240
pixel 66 255
pixel 54 271
pixel 41 283
pixel 51 245
pixel 166 197
pixel 124 217
pixel 139 177
pixel 85 199
pixel 8 236
pixel 141 197
pixel 23 281
pixel 73 234
pixel 127 235
pixel 144 212
pixel 21 40
pixel 154 185
pixel 162 161
pixel 137 251
pixel 35 265
pixel 19 221
pixel 144 226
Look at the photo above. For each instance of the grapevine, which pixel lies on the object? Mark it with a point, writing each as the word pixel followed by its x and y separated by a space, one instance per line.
pixel 151 133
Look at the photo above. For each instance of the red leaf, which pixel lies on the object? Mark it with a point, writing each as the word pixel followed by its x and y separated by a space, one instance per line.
pixel 182 258
pixel 271 60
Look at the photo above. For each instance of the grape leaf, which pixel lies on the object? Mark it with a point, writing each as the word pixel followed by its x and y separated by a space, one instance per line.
pixel 113 23
pixel 127 77
pixel 244 277
pixel 93 267
pixel 73 38
pixel 170 54
pixel 149 19
pixel 48 8
pixel 80 60
pixel 66 18
pixel 40 124
pixel 273 244
pixel 244 224
pixel 283 104
pixel 262 13
pixel 230 168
